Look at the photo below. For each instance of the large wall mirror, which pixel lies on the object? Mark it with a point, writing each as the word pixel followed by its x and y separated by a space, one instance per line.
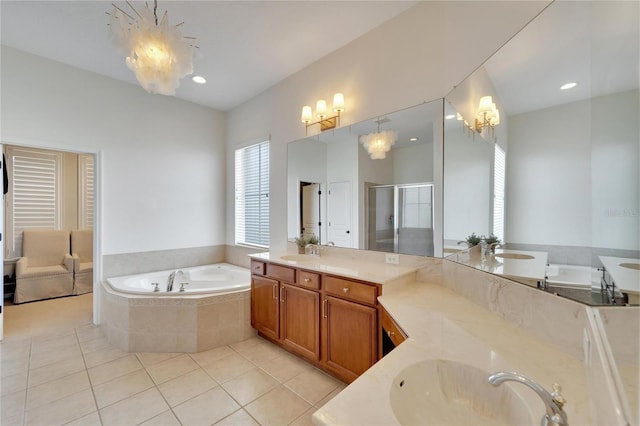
pixel 558 179
pixel 349 196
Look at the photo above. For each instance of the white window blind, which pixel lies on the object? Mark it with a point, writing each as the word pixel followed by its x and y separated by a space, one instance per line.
pixel 498 192
pixel 252 195
pixel 34 194
pixel 85 191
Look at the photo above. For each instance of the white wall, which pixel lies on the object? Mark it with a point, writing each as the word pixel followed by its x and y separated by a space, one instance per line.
pixel 413 164
pixel 417 56
pixel 342 166
pixel 163 162
pixel 573 178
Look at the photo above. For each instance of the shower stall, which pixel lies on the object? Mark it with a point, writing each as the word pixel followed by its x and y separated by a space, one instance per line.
pixel 400 218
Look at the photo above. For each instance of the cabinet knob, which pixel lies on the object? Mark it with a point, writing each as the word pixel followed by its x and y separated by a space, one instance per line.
pixel 345 290
pixel 390 333
pixel 307 280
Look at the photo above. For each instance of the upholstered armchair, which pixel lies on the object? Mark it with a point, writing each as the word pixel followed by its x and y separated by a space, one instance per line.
pixel 82 253
pixel 45 269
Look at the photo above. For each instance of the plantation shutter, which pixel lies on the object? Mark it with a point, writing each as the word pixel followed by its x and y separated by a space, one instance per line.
pixel 34 194
pixel 498 192
pixel 85 191
pixel 252 195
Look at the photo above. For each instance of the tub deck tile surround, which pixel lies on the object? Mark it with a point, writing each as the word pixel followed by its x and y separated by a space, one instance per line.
pixel 121 386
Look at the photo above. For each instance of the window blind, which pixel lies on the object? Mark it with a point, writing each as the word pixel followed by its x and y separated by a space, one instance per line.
pixel 252 195
pixel 34 194
pixel 85 191
pixel 498 192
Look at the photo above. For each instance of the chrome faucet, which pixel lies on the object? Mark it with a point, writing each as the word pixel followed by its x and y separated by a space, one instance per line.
pixel 313 249
pixel 494 246
pixel 172 277
pixel 555 415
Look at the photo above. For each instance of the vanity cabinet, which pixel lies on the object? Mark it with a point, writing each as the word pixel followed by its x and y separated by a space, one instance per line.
pixel 331 321
pixel 391 333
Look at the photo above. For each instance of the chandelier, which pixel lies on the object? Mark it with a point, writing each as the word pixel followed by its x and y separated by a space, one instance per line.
pixel 379 143
pixel 157 53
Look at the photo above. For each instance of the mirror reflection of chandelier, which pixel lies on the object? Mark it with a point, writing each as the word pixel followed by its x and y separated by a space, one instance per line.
pixel 379 143
pixel 157 53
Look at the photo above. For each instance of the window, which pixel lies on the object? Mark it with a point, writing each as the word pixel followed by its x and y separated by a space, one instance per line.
pixel 498 192
pixel 34 194
pixel 85 191
pixel 252 195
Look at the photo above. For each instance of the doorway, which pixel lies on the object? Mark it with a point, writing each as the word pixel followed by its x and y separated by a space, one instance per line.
pixel 47 188
pixel 310 213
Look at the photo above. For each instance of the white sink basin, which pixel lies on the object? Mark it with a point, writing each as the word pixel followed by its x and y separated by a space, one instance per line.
pixel 514 256
pixel 635 266
pixel 299 257
pixel 442 392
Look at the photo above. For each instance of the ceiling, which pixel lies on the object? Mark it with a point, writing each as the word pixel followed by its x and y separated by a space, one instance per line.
pixel 245 47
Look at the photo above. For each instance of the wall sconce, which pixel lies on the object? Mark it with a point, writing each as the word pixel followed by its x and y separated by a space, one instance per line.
pixel 325 121
pixel 488 114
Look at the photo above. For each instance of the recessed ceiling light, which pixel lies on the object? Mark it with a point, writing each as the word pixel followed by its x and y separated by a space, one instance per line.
pixel 413 139
pixel 199 79
pixel 568 86
pixel 449 117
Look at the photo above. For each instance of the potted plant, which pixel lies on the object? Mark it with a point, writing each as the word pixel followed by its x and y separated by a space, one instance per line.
pixel 473 240
pixel 491 241
pixel 303 241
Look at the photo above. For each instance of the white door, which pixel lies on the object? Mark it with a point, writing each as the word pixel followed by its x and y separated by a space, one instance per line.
pixel 2 168
pixel 311 210
pixel 339 214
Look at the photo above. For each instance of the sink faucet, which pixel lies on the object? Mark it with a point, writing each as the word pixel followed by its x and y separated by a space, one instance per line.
pixel 555 415
pixel 313 249
pixel 494 246
pixel 172 277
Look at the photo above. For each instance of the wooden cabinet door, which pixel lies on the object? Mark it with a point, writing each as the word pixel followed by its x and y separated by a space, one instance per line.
pixel 265 306
pixel 300 320
pixel 349 337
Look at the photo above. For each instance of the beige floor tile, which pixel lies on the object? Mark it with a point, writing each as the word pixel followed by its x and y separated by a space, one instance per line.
pixel 54 334
pixel 13 366
pixel 10 350
pixel 239 418
pixel 114 369
pixel 165 419
pixel 14 383
pixel 263 352
pixel 63 410
pixel 94 345
pixel 89 332
pixel 278 407
pixel 134 410
pixel 12 407
pixel 228 367
pixel 65 340
pixel 245 344
pixel 206 409
pixel 305 419
pixel 285 367
pixel 171 368
pixel 250 385
pixel 150 358
pixel 92 419
pixel 313 385
pixel 207 357
pixel 329 397
pixel 121 388
pixel 53 356
pixel 57 389
pixel 56 370
pixel 103 356
pixel 180 389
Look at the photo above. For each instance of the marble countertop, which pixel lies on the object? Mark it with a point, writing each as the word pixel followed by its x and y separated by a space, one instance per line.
pixel 533 268
pixel 375 272
pixel 442 324
pixel 626 278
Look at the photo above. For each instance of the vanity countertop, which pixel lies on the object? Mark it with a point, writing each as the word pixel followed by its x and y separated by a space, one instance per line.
pixel 375 272
pixel 531 264
pixel 442 324
pixel 623 273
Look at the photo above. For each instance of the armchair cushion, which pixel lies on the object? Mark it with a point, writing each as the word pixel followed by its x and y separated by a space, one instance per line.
pixel 45 247
pixel 82 244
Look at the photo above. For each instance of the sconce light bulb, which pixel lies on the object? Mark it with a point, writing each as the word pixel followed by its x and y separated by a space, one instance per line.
pixel 338 102
pixel 321 109
pixel 486 103
pixel 306 117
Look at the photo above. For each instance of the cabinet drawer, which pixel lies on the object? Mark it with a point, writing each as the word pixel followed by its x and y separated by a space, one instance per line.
pixel 391 329
pixel 351 290
pixel 309 280
pixel 281 273
pixel 257 267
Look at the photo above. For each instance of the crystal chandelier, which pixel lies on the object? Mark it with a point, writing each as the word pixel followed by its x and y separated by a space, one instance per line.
pixel 157 53
pixel 379 143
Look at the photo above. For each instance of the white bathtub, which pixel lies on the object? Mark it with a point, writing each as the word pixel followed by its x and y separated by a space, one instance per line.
pixel 573 276
pixel 209 279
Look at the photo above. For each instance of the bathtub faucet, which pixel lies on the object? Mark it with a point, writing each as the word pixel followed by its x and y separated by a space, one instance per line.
pixel 555 415
pixel 172 277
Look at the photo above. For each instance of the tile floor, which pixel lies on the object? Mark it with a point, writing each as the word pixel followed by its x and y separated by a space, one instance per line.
pixel 57 368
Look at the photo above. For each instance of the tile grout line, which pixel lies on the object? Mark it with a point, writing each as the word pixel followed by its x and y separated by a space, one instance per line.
pixel 86 369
